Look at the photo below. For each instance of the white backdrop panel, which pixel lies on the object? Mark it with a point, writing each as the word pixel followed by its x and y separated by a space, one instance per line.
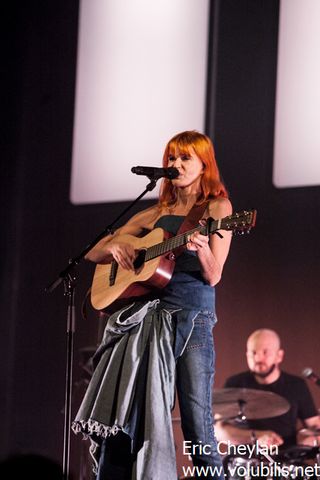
pixel 297 126
pixel 141 78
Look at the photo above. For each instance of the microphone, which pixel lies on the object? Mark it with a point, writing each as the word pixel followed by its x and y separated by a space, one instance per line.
pixel 155 173
pixel 310 375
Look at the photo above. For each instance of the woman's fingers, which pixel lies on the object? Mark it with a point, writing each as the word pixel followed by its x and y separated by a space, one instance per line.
pixel 196 241
pixel 124 254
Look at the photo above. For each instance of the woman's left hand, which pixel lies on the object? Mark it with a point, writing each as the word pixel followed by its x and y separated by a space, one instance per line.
pixel 197 241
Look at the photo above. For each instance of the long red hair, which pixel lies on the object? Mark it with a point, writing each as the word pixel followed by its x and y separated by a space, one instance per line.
pixel 211 184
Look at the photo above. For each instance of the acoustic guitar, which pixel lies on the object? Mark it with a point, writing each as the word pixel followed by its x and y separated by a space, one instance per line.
pixel 155 260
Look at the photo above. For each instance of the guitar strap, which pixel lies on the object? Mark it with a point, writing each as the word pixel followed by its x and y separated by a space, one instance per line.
pixel 190 222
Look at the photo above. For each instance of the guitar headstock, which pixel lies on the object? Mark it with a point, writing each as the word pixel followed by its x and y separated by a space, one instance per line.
pixel 240 222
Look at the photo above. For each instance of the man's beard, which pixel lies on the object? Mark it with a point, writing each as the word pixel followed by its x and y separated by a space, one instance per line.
pixel 264 374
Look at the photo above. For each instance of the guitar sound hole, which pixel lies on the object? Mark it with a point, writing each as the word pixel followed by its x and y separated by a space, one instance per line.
pixel 139 261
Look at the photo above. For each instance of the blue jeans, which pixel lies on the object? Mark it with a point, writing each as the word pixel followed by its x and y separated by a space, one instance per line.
pixel 195 375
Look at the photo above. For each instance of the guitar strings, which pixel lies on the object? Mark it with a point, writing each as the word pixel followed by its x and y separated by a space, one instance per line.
pixel 171 243
pixel 228 223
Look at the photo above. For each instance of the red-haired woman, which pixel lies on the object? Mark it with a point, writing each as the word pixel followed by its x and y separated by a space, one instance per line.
pixel 161 343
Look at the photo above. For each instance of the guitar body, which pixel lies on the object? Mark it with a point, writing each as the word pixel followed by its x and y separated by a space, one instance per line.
pixel 155 261
pixel 153 274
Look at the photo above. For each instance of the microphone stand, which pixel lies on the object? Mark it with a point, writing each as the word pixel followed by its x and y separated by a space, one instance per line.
pixel 67 276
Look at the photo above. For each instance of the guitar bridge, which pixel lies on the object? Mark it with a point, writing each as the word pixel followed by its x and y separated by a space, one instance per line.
pixel 113 273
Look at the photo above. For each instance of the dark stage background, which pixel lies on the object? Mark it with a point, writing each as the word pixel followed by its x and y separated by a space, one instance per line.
pixel 271 278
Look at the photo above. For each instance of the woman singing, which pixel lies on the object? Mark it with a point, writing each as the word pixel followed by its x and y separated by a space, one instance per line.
pixel 162 343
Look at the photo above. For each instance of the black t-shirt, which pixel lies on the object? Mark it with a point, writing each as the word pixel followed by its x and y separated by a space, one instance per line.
pixel 291 387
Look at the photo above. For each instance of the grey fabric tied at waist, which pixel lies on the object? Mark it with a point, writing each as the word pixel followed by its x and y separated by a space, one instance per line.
pixel 133 385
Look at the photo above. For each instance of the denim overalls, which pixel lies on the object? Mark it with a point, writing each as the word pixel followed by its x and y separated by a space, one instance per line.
pixel 196 366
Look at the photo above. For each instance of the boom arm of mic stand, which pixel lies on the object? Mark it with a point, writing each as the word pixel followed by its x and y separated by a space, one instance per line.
pixel 73 262
pixel 67 276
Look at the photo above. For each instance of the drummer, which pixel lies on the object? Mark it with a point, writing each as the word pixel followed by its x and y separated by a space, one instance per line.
pixel 264 357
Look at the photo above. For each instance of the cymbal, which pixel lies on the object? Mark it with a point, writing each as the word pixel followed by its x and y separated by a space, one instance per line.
pixel 309 432
pixel 246 403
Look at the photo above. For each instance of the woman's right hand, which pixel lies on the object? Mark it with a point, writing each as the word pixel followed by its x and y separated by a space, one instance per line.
pixel 123 253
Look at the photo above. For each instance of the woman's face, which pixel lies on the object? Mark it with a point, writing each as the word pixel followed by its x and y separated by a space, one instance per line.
pixel 189 165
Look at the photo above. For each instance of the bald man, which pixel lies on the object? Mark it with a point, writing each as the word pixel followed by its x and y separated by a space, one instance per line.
pixel 264 357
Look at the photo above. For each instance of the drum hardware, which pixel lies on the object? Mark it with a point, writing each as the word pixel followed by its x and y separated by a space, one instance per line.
pixel 244 468
pixel 296 456
pixel 247 404
pixel 297 453
pixel 312 433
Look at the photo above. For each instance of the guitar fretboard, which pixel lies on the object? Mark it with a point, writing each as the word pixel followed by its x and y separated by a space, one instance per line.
pixel 171 243
pixel 240 222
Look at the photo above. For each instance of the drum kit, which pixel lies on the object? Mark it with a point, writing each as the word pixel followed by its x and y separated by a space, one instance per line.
pixel 235 406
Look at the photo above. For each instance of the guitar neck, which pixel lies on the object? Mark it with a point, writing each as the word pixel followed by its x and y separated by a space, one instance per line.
pixel 238 223
pixel 178 241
